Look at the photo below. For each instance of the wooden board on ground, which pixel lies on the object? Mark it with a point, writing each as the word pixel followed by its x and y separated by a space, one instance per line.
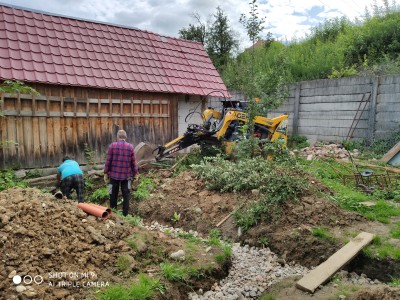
pixel 311 281
pixel 391 153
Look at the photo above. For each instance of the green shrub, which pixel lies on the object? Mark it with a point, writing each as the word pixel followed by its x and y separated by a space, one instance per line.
pixel 143 189
pixel 276 181
pixel 9 180
pixel 99 195
pixel 298 142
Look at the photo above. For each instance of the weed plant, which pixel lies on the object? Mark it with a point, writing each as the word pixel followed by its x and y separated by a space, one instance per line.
pixel 376 148
pixel 100 195
pixel 123 263
pixel 331 174
pixel 145 288
pixel 134 220
pixel 143 189
pixel 321 233
pixel 174 272
pixel 195 157
pixel 214 237
pixel 9 180
pixel 395 282
pixel 382 248
pixel 395 231
pixel 225 255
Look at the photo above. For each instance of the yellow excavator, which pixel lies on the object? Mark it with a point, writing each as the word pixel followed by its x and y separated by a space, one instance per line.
pixel 225 128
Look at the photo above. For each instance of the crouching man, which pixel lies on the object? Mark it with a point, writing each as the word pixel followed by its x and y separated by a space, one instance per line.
pixel 71 177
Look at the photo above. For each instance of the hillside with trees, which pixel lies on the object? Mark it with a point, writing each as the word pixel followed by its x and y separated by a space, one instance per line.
pixel 336 48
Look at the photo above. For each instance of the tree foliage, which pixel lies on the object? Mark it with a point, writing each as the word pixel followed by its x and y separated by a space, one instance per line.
pixel 194 32
pixel 16 87
pixel 217 37
pixel 220 41
pixel 253 24
pixel 335 48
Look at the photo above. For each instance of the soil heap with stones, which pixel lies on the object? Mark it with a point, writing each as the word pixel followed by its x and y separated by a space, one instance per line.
pixel 50 249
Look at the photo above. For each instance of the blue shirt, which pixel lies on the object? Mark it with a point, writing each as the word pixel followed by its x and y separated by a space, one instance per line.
pixel 68 168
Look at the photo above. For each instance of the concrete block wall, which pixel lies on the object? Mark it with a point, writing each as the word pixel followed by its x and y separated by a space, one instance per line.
pixel 328 109
pixel 387 106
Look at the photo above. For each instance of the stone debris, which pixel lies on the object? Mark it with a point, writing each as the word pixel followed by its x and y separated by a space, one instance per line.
pixel 325 151
pixel 178 255
pixel 253 271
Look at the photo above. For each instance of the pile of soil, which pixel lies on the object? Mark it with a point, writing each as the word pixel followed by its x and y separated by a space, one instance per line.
pixel 289 233
pixel 381 293
pixel 50 249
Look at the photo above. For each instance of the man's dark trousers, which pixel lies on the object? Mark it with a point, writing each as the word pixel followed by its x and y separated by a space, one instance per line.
pixel 126 195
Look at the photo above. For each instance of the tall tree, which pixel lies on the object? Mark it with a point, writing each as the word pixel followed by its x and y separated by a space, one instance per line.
pixel 217 37
pixel 194 32
pixel 221 40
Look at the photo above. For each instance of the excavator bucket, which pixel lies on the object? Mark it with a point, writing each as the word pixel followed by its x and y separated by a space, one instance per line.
pixel 144 154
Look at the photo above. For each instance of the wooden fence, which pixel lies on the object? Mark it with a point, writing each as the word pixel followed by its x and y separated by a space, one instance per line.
pixel 39 131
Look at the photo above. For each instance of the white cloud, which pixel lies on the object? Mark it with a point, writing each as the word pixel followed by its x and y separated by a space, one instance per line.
pixel 284 18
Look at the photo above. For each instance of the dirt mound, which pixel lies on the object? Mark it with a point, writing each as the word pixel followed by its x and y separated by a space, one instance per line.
pixel 198 208
pixel 53 250
pixel 290 231
pixel 385 293
pixel 52 243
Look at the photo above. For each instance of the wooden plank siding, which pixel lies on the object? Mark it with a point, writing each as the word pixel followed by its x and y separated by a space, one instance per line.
pixel 66 120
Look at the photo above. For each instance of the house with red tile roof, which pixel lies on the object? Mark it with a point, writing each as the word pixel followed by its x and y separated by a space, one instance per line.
pixel 93 78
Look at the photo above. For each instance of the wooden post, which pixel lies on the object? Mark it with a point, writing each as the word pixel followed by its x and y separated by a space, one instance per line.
pixel 296 109
pixel 372 109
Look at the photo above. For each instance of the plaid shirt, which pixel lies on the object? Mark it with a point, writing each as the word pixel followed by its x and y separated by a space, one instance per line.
pixel 121 161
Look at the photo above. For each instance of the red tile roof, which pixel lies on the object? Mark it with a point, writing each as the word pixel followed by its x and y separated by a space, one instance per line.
pixel 38 47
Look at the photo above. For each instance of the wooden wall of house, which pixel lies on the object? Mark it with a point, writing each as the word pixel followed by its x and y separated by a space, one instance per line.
pixel 40 130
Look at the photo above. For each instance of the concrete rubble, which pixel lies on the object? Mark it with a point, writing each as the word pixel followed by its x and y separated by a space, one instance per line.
pixel 325 151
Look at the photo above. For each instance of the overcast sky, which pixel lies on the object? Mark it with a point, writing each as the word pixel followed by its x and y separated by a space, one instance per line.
pixel 285 19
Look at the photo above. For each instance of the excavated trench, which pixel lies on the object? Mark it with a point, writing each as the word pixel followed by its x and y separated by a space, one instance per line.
pixel 382 269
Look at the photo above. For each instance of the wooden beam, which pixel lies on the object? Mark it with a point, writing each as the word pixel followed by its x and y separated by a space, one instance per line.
pixel 311 281
pixel 389 169
pixel 392 152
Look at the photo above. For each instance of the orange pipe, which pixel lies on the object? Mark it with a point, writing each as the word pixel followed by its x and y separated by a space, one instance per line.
pixel 107 209
pixel 93 210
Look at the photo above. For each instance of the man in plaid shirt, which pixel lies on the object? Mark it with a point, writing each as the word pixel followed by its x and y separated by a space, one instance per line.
pixel 119 169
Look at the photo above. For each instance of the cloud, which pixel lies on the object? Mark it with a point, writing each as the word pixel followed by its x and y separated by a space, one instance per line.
pixel 284 18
